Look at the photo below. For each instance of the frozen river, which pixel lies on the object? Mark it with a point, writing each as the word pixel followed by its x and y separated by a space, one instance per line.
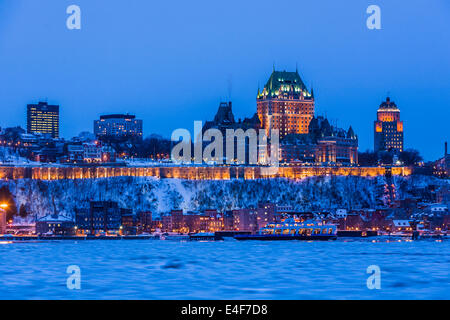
pixel 151 269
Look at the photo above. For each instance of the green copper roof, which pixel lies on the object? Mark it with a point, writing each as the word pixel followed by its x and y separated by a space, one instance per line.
pixel 284 83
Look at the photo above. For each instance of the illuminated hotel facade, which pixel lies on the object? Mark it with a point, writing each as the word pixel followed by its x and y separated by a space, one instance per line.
pixel 285 104
pixel 43 118
pixel 388 129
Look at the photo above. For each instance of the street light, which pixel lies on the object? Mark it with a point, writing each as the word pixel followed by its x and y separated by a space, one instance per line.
pixel 4 205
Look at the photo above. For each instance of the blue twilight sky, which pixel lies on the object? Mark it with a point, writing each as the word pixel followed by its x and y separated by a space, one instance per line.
pixel 171 62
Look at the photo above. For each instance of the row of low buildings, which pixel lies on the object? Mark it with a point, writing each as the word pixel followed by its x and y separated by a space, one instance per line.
pixel 44 148
pixel 90 152
pixel 107 218
pixel 248 219
pixel 101 218
pixel 434 217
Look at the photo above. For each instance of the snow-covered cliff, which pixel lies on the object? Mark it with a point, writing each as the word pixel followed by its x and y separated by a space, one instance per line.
pixel 162 195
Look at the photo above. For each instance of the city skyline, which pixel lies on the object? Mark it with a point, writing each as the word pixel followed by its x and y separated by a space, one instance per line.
pixel 168 82
pixel 105 114
pixel 224 158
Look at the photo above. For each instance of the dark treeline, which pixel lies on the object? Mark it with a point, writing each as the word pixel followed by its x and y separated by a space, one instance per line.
pixel 409 157
pixel 153 146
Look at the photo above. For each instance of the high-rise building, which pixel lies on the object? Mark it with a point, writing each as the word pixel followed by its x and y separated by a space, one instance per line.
pixel 388 129
pixel 43 118
pixel 118 126
pixel 285 104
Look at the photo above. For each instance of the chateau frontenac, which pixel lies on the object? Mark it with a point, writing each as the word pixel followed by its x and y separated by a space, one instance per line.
pixel 285 104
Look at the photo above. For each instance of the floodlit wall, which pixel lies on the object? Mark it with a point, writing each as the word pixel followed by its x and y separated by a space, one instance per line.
pixel 191 173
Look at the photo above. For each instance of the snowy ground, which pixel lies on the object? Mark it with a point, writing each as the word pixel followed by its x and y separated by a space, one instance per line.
pixel 9 157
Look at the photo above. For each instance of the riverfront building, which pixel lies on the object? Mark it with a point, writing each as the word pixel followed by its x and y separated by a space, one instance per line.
pixel 193 222
pixel 102 217
pixel 285 104
pixel 43 118
pixel 55 225
pixel 388 129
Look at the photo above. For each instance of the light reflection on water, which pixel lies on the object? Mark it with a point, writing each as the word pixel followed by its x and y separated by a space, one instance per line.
pixel 150 269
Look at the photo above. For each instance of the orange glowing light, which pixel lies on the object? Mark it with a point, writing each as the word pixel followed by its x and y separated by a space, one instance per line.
pixel 379 127
pixel 4 205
